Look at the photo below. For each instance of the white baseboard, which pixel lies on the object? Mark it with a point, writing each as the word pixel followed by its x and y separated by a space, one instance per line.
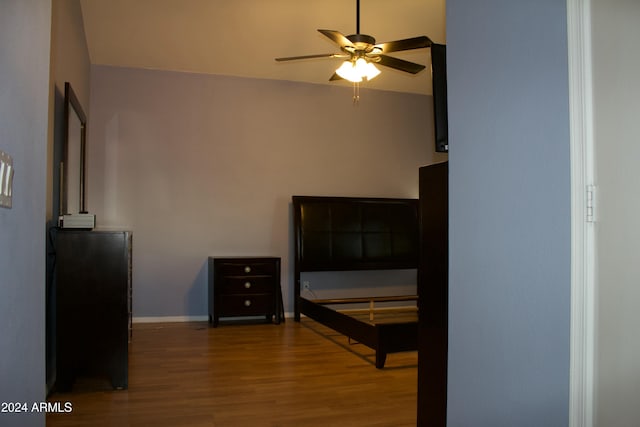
pixel 170 319
pixel 179 319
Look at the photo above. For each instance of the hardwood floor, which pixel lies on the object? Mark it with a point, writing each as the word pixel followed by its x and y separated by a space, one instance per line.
pixel 293 374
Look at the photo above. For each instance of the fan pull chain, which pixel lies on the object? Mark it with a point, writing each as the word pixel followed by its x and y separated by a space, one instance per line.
pixel 356 93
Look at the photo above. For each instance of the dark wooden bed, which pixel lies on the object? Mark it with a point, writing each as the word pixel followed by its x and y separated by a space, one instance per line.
pixel 354 234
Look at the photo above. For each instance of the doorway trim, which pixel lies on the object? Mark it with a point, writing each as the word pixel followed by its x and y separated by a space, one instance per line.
pixel 582 358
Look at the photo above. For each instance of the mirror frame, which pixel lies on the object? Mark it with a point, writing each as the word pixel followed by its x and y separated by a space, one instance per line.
pixel 72 106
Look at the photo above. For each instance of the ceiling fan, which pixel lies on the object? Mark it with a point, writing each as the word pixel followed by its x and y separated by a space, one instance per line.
pixel 362 52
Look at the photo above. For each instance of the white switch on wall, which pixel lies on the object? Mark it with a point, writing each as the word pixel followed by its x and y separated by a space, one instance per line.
pixel 6 179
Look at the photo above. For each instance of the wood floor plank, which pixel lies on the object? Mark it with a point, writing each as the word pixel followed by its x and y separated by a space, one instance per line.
pixel 293 374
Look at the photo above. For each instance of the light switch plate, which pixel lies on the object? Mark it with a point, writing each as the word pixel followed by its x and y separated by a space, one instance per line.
pixel 6 179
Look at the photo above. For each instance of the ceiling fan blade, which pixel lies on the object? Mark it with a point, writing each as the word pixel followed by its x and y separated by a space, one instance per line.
pixel 321 55
pixel 338 38
pixel 400 64
pixel 404 44
pixel 335 77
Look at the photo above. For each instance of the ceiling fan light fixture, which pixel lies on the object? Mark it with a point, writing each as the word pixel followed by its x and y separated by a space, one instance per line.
pixel 358 70
pixel 348 72
pixel 370 70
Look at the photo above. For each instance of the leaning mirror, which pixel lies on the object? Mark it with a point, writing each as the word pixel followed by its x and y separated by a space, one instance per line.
pixel 72 167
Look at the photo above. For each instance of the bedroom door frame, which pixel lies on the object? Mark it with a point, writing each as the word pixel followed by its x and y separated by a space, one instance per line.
pixel 583 216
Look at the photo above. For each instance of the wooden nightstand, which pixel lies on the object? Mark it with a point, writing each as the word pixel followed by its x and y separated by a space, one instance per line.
pixel 245 287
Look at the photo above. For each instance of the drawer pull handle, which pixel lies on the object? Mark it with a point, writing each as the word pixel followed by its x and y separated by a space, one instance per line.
pixel 247 285
pixel 247 303
pixel 247 269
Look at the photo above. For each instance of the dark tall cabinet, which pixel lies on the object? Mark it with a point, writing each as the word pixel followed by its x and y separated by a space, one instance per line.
pixel 93 305
pixel 433 295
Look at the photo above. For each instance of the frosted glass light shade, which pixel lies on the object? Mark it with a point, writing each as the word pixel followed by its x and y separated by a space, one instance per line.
pixel 357 71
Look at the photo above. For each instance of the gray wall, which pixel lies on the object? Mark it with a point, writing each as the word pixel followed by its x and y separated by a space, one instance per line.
pixel 69 63
pixel 25 36
pixel 509 213
pixel 70 56
pixel 199 165
pixel 616 61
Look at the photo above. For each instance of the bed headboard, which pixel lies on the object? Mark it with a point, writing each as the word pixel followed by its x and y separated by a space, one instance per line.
pixel 353 233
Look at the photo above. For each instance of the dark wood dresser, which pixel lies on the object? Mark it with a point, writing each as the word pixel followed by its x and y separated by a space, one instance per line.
pixel 244 287
pixel 93 305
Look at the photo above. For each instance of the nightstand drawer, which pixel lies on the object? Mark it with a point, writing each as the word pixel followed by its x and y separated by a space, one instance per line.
pixel 249 268
pixel 246 305
pixel 246 285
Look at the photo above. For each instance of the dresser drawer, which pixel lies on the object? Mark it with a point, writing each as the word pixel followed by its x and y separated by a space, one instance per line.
pixel 246 285
pixel 246 305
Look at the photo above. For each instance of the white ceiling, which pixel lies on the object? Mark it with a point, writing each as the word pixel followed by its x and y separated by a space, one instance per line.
pixel 242 37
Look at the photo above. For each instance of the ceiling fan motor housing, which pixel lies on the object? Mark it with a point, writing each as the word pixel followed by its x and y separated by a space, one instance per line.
pixel 361 38
pixel 363 45
pixel 361 42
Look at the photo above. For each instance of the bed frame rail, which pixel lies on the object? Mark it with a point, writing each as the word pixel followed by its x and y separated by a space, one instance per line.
pixel 384 338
